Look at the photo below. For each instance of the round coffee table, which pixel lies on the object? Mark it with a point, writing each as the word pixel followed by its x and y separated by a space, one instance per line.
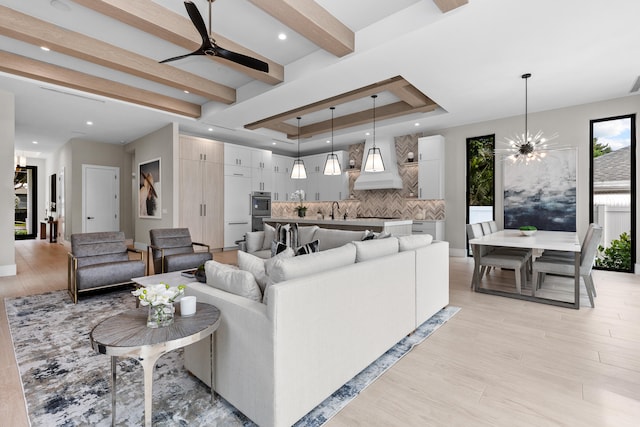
pixel 127 335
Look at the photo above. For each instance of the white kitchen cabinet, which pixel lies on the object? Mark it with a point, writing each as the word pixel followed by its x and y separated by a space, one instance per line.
pixel 261 170
pixel 431 167
pixel 237 155
pixel 283 185
pixel 321 187
pixel 435 228
pixel 201 189
pixel 237 208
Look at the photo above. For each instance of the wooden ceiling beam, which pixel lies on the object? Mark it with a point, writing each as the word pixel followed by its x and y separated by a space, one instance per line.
pixel 411 95
pixel 447 5
pixel 389 84
pixel 313 22
pixel 40 33
pixel 42 71
pixel 161 22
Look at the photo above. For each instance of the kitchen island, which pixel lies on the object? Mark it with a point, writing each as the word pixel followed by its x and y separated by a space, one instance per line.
pixel 397 227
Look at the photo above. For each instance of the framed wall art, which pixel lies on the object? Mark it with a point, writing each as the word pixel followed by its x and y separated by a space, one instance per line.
pixel 149 195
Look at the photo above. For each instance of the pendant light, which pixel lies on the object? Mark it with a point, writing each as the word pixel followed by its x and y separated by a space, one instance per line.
pixel 332 165
pixel 528 147
pixel 298 171
pixel 374 161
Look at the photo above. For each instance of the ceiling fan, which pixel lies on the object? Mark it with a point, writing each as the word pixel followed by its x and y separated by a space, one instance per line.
pixel 209 46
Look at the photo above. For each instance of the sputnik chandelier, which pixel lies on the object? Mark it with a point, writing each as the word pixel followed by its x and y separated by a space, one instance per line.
pixel 526 147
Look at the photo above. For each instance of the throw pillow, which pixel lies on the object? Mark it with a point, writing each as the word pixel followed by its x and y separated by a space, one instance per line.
pixel 268 263
pixel 309 248
pixel 369 235
pixel 269 236
pixel 414 241
pixel 255 241
pixel 293 235
pixel 255 266
pixel 230 279
pixel 277 247
pixel 376 248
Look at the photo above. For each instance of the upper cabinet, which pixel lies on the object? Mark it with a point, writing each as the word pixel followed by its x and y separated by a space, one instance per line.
pixel 431 167
pixel 261 170
pixel 282 184
pixel 237 155
pixel 321 187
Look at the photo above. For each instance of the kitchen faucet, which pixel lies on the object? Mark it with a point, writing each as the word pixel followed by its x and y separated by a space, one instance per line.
pixel 334 203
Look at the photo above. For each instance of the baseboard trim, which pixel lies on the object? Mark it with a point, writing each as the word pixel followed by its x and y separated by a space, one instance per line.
pixel 8 270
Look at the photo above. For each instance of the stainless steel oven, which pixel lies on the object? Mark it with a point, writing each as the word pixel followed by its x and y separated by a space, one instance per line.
pixel 260 208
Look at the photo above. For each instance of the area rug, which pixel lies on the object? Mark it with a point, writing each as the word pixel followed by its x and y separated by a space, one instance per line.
pixel 66 383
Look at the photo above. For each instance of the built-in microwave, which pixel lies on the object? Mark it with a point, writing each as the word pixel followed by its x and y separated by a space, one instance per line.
pixel 261 203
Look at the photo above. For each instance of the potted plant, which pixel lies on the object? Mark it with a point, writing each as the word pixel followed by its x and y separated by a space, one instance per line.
pixel 301 208
pixel 528 230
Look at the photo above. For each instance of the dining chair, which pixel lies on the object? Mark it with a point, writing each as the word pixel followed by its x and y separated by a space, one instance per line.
pixel 493 226
pixel 486 228
pixel 566 267
pixel 488 256
pixel 489 227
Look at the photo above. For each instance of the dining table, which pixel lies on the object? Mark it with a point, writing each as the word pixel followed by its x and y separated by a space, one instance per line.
pixel 566 241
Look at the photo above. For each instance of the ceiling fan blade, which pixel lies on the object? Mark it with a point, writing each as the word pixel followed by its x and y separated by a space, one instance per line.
pixel 175 58
pixel 198 22
pixel 241 59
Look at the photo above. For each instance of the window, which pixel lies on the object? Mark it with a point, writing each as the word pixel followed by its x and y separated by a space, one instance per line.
pixel 480 179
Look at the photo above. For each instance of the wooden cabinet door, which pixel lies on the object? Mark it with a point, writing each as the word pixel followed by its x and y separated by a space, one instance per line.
pixel 213 215
pixel 191 205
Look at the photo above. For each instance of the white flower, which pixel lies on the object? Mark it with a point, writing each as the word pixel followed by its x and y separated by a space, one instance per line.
pixel 158 294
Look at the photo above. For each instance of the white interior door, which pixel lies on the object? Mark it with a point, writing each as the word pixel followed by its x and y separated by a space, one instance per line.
pixel 100 198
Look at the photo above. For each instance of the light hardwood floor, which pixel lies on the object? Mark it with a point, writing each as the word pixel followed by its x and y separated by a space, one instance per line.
pixel 498 362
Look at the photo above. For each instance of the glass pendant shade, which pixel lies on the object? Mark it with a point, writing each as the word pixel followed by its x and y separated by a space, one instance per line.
pixel 374 161
pixel 298 171
pixel 332 165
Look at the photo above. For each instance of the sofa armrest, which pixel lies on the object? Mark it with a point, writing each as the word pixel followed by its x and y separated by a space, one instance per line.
pixel 432 280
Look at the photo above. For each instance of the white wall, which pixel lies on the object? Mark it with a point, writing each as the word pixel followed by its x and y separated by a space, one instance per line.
pixel 7 206
pixel 572 125
pixel 158 144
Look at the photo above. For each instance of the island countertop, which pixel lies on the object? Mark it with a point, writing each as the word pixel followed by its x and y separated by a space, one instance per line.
pixel 391 225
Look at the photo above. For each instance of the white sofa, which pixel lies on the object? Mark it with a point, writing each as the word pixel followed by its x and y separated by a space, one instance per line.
pixel 276 361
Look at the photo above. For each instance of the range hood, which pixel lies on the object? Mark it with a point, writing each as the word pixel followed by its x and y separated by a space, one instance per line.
pixel 388 179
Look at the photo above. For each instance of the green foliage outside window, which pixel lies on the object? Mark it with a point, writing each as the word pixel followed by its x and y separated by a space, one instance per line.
pixel 480 157
pixel 600 149
pixel 617 256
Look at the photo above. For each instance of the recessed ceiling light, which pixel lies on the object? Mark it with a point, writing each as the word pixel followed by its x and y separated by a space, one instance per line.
pixel 282 36
pixel 367 133
pixel 328 141
pixel 34 142
pixel 273 143
pixel 416 124
pixel 58 4
pixel 46 49
pixel 210 129
pixel 89 123
pixel 185 91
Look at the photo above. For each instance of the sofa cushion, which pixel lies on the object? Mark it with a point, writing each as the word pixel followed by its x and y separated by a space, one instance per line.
pixel 258 266
pixel 308 248
pixel 306 234
pixel 230 279
pixel 268 263
pixel 331 238
pixel 255 241
pixel 291 268
pixel 376 248
pixel 414 241
pixel 269 236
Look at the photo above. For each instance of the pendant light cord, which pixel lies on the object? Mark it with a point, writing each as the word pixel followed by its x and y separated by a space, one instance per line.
pixel 526 108
pixel 332 108
pixel 374 120
pixel 298 137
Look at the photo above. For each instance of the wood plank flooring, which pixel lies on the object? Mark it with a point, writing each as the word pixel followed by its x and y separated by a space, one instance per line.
pixel 499 362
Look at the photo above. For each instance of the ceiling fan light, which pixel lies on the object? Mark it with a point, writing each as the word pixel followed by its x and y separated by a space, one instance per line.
pixel 374 161
pixel 298 170
pixel 332 165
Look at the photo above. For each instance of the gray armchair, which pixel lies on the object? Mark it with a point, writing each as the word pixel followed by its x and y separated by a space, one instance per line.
pixel 100 260
pixel 172 250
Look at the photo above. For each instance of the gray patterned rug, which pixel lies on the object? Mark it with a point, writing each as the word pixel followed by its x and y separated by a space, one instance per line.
pixel 66 383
